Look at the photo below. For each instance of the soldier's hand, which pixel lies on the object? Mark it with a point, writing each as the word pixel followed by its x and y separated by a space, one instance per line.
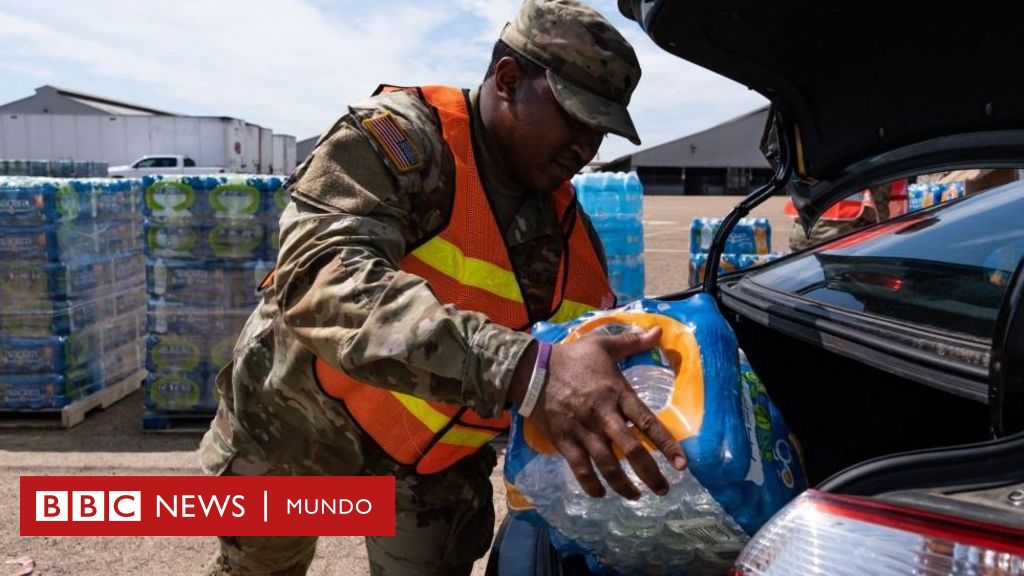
pixel 586 407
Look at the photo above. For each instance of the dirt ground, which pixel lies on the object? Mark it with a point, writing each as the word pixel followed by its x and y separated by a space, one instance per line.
pixel 112 442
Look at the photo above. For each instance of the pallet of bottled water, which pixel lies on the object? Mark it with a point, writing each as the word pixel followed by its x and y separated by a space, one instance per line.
pixel 921 196
pixel 614 203
pixel 72 305
pixel 749 244
pixel 750 236
pixel 209 243
pixel 727 263
pixel 53 168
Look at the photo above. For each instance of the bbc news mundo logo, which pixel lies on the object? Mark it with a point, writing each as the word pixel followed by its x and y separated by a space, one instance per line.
pixel 207 506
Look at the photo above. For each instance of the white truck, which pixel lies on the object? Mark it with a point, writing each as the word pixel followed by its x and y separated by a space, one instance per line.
pixel 162 164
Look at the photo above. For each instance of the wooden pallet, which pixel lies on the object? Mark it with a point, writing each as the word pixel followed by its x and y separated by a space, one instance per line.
pixel 74 414
pixel 176 422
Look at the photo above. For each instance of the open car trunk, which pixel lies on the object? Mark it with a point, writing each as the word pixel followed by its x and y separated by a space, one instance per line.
pixel 844 412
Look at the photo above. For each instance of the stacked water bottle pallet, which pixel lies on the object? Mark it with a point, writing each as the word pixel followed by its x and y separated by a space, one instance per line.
pixel 209 242
pixel 921 196
pixel 60 168
pixel 614 202
pixel 749 244
pixel 72 306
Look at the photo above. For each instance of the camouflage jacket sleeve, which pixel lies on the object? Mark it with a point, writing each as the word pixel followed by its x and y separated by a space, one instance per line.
pixel 338 283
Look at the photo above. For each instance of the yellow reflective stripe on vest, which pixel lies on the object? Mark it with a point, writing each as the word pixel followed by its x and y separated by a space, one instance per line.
pixel 570 310
pixel 467 437
pixel 448 259
pixel 435 421
pixel 424 412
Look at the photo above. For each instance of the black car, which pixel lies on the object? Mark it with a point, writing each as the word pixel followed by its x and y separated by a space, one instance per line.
pixel 896 352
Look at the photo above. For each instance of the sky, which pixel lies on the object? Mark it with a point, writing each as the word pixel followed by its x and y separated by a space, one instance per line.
pixel 294 65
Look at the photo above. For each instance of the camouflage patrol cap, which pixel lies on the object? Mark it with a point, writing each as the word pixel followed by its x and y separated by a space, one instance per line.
pixel 591 68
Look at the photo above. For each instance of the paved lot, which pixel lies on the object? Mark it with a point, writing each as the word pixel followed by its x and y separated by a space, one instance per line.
pixel 111 442
pixel 667 239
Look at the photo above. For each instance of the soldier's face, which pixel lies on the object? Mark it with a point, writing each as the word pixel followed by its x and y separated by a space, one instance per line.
pixel 549 146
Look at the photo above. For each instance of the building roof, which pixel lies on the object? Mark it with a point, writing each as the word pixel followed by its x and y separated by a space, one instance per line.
pixel 733 143
pixel 45 97
pixel 304 147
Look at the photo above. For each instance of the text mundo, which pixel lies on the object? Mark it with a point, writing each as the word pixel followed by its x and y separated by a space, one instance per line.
pixel 337 506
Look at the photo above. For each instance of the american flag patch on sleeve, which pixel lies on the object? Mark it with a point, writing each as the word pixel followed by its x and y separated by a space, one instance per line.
pixel 394 141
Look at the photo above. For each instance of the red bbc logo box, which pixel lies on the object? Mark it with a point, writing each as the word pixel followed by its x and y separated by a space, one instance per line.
pixel 207 506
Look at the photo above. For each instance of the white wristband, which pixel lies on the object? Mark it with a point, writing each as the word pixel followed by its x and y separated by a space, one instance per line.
pixel 537 381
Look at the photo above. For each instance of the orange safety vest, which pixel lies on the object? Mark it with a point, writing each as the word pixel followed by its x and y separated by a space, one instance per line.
pixel 853 207
pixel 467 265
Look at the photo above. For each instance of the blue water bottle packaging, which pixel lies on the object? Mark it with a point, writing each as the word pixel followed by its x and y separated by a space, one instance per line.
pixel 47 391
pixel 743 462
pixel 750 236
pixel 194 355
pixel 43 317
pixel 82 279
pixel 727 263
pixel 227 239
pixel 73 241
pixel 614 203
pixel 28 201
pixel 181 392
pixel 207 284
pixel 214 197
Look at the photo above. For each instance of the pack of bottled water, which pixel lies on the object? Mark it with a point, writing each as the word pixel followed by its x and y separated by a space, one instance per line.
pixel 185 349
pixel 72 303
pixel 750 236
pixel 921 196
pixel 614 203
pixel 209 243
pixel 727 263
pixel 749 244
pixel 743 463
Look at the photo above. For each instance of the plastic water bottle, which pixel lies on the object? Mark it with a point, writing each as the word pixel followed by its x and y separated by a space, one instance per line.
pixel 702 233
pixel 763 235
pixel 653 384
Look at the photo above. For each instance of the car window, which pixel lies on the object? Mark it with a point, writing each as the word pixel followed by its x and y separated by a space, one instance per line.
pixel 943 267
pixel 164 163
pixel 145 163
pixel 893 199
pixel 189 163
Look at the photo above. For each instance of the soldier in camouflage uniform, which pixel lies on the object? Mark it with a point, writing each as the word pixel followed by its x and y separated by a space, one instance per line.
pixel 338 294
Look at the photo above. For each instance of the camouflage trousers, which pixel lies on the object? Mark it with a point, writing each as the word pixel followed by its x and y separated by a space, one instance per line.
pixel 444 522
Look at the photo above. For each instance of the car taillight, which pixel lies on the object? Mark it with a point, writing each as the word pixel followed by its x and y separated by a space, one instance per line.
pixel 884 281
pixel 827 534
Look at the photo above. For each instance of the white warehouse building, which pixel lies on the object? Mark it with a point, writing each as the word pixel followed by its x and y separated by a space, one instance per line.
pixel 59 124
